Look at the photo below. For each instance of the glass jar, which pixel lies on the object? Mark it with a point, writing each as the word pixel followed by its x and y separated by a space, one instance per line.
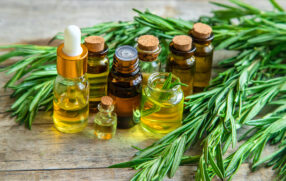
pixel 161 109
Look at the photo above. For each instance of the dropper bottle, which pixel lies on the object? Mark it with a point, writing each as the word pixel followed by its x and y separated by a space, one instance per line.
pixel 71 88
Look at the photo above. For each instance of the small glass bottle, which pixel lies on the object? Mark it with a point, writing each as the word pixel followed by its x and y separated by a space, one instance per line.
pixel 105 121
pixel 124 85
pixel 181 61
pixel 202 38
pixel 148 51
pixel 71 88
pixel 97 70
pixel 161 109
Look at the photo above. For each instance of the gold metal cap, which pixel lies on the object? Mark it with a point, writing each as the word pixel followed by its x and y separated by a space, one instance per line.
pixel 71 67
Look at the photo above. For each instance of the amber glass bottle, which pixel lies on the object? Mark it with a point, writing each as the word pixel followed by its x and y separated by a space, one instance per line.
pixel 97 70
pixel 124 85
pixel 181 61
pixel 202 39
pixel 148 51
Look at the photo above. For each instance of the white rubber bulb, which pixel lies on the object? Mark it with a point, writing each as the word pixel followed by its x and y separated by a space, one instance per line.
pixel 72 41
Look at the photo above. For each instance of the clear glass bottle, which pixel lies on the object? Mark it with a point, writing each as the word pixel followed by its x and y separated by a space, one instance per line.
pixel 97 70
pixel 161 109
pixel 148 51
pixel 71 88
pixel 181 62
pixel 124 85
pixel 202 39
pixel 105 121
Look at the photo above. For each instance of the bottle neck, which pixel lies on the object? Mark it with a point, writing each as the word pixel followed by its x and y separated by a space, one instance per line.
pixel 148 56
pixel 125 67
pixel 183 54
pixel 105 110
pixel 204 42
pixel 71 67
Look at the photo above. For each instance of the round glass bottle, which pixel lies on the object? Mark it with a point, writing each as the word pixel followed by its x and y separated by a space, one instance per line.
pixel 97 70
pixel 161 108
pixel 105 120
pixel 202 39
pixel 181 61
pixel 71 92
pixel 148 51
pixel 124 85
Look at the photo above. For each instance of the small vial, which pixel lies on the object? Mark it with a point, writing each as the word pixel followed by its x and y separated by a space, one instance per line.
pixel 148 51
pixel 105 121
pixel 202 39
pixel 181 61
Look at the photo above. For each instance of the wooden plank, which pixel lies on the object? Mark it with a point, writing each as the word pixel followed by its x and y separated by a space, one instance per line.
pixel 99 174
pixel 184 173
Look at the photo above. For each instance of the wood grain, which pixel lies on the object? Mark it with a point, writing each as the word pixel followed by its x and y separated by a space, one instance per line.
pixel 43 153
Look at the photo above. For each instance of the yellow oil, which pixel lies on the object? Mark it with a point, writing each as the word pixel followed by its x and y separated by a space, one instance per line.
pixel 98 88
pixel 163 117
pixel 70 110
pixel 203 71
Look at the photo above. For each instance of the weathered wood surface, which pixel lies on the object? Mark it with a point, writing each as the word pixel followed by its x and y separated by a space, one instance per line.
pixel 46 154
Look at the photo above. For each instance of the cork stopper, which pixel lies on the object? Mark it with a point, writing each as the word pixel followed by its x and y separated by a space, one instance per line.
pixel 148 42
pixel 201 31
pixel 94 43
pixel 106 102
pixel 182 42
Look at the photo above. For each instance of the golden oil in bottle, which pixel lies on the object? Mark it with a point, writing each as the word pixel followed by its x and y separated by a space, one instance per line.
pixel 124 85
pixel 202 39
pixel 71 88
pixel 105 121
pixel 97 70
pixel 161 110
pixel 148 51
pixel 181 61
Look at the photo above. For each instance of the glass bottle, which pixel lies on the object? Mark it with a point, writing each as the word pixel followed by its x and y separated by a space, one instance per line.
pixel 202 38
pixel 71 88
pixel 161 109
pixel 97 70
pixel 181 61
pixel 105 120
pixel 148 51
pixel 124 85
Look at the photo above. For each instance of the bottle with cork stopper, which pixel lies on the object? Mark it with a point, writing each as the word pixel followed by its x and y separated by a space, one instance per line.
pixel 148 51
pixel 202 37
pixel 181 61
pixel 71 88
pixel 97 69
pixel 124 85
pixel 105 121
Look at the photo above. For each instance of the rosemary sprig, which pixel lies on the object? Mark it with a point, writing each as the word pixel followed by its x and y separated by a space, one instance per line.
pixel 254 78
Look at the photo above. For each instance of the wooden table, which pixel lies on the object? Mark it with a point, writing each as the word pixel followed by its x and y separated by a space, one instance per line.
pixel 43 153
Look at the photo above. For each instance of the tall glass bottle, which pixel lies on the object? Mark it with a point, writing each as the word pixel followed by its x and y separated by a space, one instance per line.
pixel 202 38
pixel 181 61
pixel 71 88
pixel 148 51
pixel 97 70
pixel 124 85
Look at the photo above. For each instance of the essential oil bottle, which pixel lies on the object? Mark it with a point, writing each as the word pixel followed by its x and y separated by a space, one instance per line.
pixel 97 70
pixel 202 38
pixel 71 88
pixel 124 85
pixel 181 61
pixel 105 120
pixel 148 50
